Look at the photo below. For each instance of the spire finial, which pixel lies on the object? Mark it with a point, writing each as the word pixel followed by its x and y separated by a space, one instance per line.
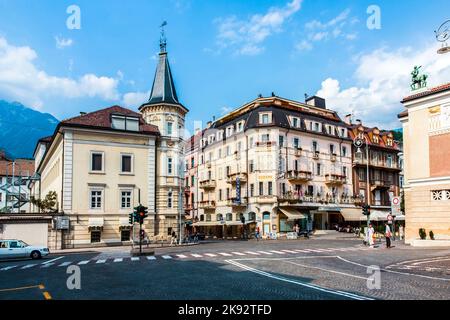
pixel 163 40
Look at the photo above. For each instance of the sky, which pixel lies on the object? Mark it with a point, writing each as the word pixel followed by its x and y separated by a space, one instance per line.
pixel 223 53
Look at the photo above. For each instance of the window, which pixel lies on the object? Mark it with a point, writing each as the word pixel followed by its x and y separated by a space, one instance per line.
pixel 331 148
pixel 343 133
pixel 169 199
pixel 228 150
pixel 251 142
pixel 125 199
pixel 389 161
pixel 97 161
pixel 296 165
pixel 229 217
pixel 239 127
pixel 192 181
pixel 318 169
pixel 192 162
pixel 125 235
pixel 344 151
pixel 316 127
pixel 96 199
pixel 281 141
pixel 296 143
pixel 220 194
pixel 228 194
pixel 362 174
pixel 95 236
pixel 265 137
pixel 169 128
pixel 269 187
pixel 344 171
pixel 295 122
pixel 251 166
pixel 125 123
pixel 126 163
pixel 252 190
pixel 283 188
pixel 265 118
pixel 315 147
pixel 169 166
pixel 261 188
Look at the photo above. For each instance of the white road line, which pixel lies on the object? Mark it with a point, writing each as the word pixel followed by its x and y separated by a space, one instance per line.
pixel 65 264
pixel 52 260
pixel 195 255
pixel 118 259
pixel 182 256
pixel 210 254
pixel 28 266
pixel 166 257
pixel 225 254
pixel 289 251
pixel 397 272
pixel 135 259
pixel 7 268
pixel 47 265
pixel 327 270
pixel 151 258
pixel 301 251
pixel 83 262
pixel 238 253
pixel 428 261
pixel 264 252
pixel 266 274
pixel 253 253
pixel 277 252
pixel 100 261
pixel 314 250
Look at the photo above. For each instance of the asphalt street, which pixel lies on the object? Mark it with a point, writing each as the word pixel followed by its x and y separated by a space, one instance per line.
pixel 315 269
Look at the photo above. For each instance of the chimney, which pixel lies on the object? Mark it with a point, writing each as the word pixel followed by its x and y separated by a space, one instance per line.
pixel 358 122
pixel 348 119
pixel 317 102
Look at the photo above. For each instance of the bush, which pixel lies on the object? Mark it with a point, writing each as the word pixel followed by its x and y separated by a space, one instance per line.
pixel 431 235
pixel 422 233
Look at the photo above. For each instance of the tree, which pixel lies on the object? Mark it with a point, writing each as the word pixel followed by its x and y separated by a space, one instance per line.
pixel 48 205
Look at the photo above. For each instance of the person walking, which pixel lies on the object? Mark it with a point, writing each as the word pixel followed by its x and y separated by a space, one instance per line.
pixel 257 233
pixel 401 232
pixel 297 230
pixel 370 235
pixel 388 235
pixel 174 238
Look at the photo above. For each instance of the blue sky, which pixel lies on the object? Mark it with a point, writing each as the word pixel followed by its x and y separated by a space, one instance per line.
pixel 223 53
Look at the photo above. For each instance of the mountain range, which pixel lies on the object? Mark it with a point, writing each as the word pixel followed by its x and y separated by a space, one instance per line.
pixel 22 127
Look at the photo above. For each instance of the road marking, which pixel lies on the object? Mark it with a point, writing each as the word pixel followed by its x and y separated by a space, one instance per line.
pixel 47 265
pixel 135 259
pixel 225 254
pixel 64 264
pixel 52 260
pixel 392 271
pixel 289 251
pixel 182 256
pixel 327 270
pixel 253 253
pixel 101 261
pixel 314 250
pixel 238 253
pixel 151 258
pixel 118 259
pixel 83 262
pixel 195 255
pixel 277 252
pixel 301 251
pixel 28 266
pixel 47 295
pixel 7 268
pixel 210 254
pixel 166 257
pixel 22 288
pixel 269 275
pixel 264 252
pixel 428 261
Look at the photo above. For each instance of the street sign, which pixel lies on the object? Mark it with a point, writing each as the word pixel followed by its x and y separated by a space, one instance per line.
pixel 358 142
pixel 395 206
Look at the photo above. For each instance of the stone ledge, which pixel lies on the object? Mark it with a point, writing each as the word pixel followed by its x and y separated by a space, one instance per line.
pixel 430 243
pixel 145 252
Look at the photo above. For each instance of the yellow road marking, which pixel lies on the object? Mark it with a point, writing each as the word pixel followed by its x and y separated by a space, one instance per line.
pixel 47 295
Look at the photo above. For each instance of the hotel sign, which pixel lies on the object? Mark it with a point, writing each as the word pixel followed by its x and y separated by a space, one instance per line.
pixel 265 178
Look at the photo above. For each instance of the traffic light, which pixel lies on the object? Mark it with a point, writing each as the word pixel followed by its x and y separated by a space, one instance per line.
pixel 131 218
pixel 140 213
pixel 366 210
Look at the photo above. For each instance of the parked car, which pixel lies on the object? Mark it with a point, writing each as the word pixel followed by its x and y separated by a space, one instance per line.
pixel 11 249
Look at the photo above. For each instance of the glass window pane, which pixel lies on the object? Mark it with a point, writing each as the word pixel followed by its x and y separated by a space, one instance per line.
pixel 126 163
pixel 118 123
pixel 132 124
pixel 96 162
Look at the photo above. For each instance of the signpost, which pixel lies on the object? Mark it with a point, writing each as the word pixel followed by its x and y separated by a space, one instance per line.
pixel 395 211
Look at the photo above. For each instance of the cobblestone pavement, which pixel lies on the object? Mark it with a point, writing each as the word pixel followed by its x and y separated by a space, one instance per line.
pixel 326 267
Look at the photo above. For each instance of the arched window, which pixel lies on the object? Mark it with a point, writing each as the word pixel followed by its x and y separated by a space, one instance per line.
pixel 251 216
pixel 229 217
pixel 238 216
pixel 266 216
pixel 208 217
pixel 219 217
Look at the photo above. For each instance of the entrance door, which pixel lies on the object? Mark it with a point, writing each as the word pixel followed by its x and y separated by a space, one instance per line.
pixel 266 228
pixel 318 221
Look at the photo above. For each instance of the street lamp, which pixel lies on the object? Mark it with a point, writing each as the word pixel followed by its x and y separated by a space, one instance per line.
pixel 358 142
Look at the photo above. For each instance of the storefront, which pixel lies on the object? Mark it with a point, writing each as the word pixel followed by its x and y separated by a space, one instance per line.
pixel 290 217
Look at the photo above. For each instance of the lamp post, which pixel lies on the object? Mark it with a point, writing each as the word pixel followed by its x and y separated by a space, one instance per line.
pixel 358 143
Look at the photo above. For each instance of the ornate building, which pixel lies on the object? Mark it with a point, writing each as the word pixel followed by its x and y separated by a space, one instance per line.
pixel 164 111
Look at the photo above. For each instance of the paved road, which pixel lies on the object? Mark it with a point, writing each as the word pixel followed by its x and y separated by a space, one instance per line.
pixel 298 269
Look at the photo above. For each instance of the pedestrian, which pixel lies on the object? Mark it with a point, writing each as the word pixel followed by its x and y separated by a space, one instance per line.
pixel 257 233
pixel 401 232
pixel 174 238
pixel 370 236
pixel 388 235
pixel 297 230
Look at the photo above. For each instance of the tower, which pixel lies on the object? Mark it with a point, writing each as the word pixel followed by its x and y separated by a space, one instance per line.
pixel 165 111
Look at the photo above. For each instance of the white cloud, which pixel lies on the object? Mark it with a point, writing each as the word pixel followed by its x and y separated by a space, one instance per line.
pixel 225 110
pixel 22 80
pixel 246 37
pixel 304 46
pixel 383 78
pixel 61 43
pixel 134 99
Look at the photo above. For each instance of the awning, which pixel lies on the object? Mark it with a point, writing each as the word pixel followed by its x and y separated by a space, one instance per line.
pixel 329 209
pixel 378 215
pixel 353 214
pixel 96 222
pixel 292 214
pixel 399 218
pixel 124 222
pixel 207 223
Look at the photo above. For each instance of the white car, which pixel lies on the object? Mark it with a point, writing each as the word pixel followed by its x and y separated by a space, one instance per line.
pixel 13 249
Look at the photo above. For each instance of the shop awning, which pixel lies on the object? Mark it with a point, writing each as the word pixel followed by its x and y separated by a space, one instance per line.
pixel 96 222
pixel 353 214
pixel 292 214
pixel 124 222
pixel 378 215
pixel 329 209
pixel 207 223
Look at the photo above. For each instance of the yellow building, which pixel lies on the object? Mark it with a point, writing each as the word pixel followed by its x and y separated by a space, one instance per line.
pixel 426 134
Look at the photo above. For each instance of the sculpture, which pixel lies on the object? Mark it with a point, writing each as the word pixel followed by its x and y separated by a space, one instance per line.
pixel 418 81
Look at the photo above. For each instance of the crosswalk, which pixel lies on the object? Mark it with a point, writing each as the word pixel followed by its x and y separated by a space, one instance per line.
pixel 180 257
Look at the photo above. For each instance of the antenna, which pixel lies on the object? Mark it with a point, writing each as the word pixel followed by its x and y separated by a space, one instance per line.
pixel 162 39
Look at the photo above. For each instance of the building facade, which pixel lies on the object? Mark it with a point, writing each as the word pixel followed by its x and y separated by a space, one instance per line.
pixel 426 134
pixel 274 163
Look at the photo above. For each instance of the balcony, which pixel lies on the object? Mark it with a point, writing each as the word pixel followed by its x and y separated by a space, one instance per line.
pixel 316 155
pixel 233 177
pixel 207 205
pixel 266 199
pixel 298 152
pixel 335 179
pixel 187 189
pixel 295 176
pixel 188 207
pixel 333 157
pixel 380 184
pixel 237 156
pixel 208 184
pixel 266 144
pixel 232 202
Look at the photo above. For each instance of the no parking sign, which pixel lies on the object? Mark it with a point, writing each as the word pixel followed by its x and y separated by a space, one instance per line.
pixel 395 206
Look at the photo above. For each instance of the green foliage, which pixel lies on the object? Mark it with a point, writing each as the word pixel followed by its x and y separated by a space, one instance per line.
pixel 422 233
pixel 431 235
pixel 48 205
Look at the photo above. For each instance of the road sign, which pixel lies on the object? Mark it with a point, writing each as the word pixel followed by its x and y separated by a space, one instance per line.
pixel 395 206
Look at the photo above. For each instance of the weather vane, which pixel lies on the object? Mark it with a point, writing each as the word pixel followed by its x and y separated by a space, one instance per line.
pixel 442 35
pixel 163 40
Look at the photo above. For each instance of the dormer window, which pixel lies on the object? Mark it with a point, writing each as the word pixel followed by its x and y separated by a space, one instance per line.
pixel 229 131
pixel 265 118
pixel 125 123
pixel 295 122
pixel 376 139
pixel 317 127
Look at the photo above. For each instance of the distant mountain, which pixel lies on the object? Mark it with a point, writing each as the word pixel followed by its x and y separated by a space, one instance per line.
pixel 22 127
